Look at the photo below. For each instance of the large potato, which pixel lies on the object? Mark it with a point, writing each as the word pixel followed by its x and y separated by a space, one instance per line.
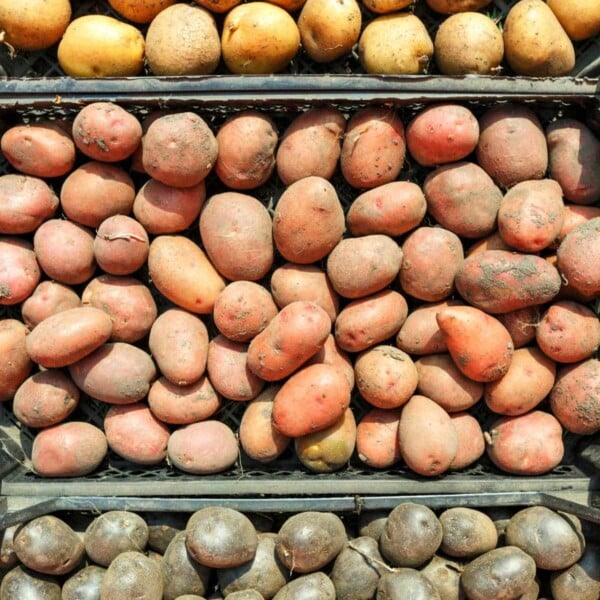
pixel 19 270
pixel 15 363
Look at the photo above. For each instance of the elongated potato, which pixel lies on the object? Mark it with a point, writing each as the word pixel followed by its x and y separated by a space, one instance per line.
pixel 15 363
pixel 377 442
pixel 19 270
pixel 471 443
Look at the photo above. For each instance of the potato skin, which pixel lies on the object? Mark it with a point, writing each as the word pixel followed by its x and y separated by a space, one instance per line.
pixel 132 574
pixel 331 354
pixel 15 363
pixel 467 532
pixel 21 582
pixel 377 442
pixel 19 270
pixel 471 443
pixel 579 18
pixel 581 580
pixel 455 6
pixel 521 324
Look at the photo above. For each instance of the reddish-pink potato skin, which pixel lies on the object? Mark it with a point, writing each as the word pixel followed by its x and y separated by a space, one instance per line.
pixel 377 440
pixel 331 354
pixel 471 443
pixel 19 270
pixel 48 298
pixel 521 324
pixel 15 364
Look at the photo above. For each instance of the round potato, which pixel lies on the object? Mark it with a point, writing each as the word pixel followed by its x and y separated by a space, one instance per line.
pixel 313 585
pixel 467 532
pixel 19 270
pixel 85 583
pixel 133 574
pixel 21 582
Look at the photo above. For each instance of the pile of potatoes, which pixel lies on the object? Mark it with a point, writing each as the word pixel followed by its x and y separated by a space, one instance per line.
pixel 219 553
pixel 401 37
pixel 149 267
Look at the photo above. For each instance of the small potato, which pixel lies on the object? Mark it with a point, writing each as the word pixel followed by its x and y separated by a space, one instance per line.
pixel 471 443
pixel 444 574
pixel 70 449
pixel 132 574
pixel 331 354
pixel 203 448
pixel 313 585
pixel 15 363
pixel 237 235
pixel 521 324
pixel 19 270
pixel 85 583
pixel 311 145
pixel 371 523
pixel 377 442
pixel 247 142
pixel 374 147
pixel 467 532
pixel 308 220
pixel 359 267
pixel 392 209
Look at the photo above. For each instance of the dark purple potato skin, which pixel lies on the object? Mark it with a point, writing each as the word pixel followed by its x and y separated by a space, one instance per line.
pixel 22 583
pixel 8 556
pixel 133 575
pixel 314 586
pixel 581 580
pixel 84 585
pixel 406 584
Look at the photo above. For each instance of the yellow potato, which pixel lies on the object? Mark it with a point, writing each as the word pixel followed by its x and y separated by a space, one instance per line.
pixel 579 18
pixel 455 6
pixel 386 6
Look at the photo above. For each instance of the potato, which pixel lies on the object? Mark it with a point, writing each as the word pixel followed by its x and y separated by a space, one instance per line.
pixel 575 215
pixel 20 582
pixel 183 404
pixel 521 324
pixel 500 573
pixel 422 422
pixel 19 270
pixel 493 241
pixel 328 449
pixel 132 574
pixel 371 523
pixel 377 442
pixel 431 258
pixel 374 146
pixel 468 43
pixel 41 149
pixel 549 537
pixel 121 245
pixel 444 574
pixel 442 133
pixel 359 267
pixel 179 149
pixel 164 209
pixel 182 273
pixel 395 44
pixel 504 131
pixel 203 448
pixel 8 557
pixel 369 321
pixel 463 198
pixel 404 584
pixel 218 6
pixel 259 39
pixel 65 251
pixel 471 443
pixel 442 381
pixel 386 6
pixel 310 400
pixel 535 44
pixel 314 585
pixel 237 235
pixel 96 191
pixel 84 584
pixel 45 399
pixel 311 145
pixel 70 449
pixel 116 373
pixel 101 46
pixel 579 18
pixel 331 354
pixel 499 281
pixel 329 29
pixel 581 580
pixel 467 532
pixel 139 11
pixel 529 444
pixel 386 377
pixel 307 541
pixel 15 364
pixel 295 334
pixel 235 543
pixel 135 434
pixel 455 6
pixel 183 40
pixel 574 397
pixel 68 336
pixel 392 209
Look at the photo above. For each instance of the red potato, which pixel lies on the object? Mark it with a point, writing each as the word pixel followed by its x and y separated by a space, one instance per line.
pixel 369 321
pixel 127 301
pixel 247 142
pixel 121 245
pixel 106 131
pixel 521 324
pixel 25 203
pixel 308 220
pixel 431 259
pixel 311 145
pixel 386 377
pixel 428 438
pixel 527 382
pixel 135 434
pixel 374 148
pixel 71 449
pixel 377 442
pixel 68 336
pixel 512 144
pixel 183 404
pixel 575 397
pixel 471 443
pixel 95 191
pixel 178 343
pixel 292 282
pixel 463 198
pixel 464 327
pixel 45 399
pixel 41 149
pixel 65 251
pixel 358 267
pixel 183 273
pixel 19 270
pixel 392 209
pixel 331 354
pixel 15 364
pixel 568 332
pixel 163 209
pixel 566 291
pixel 529 444
pixel 310 400
pixel 237 235
pixel 493 241
pixel 229 372
pixel 575 215
pixel 295 334
pixel 442 133
pixel 442 381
